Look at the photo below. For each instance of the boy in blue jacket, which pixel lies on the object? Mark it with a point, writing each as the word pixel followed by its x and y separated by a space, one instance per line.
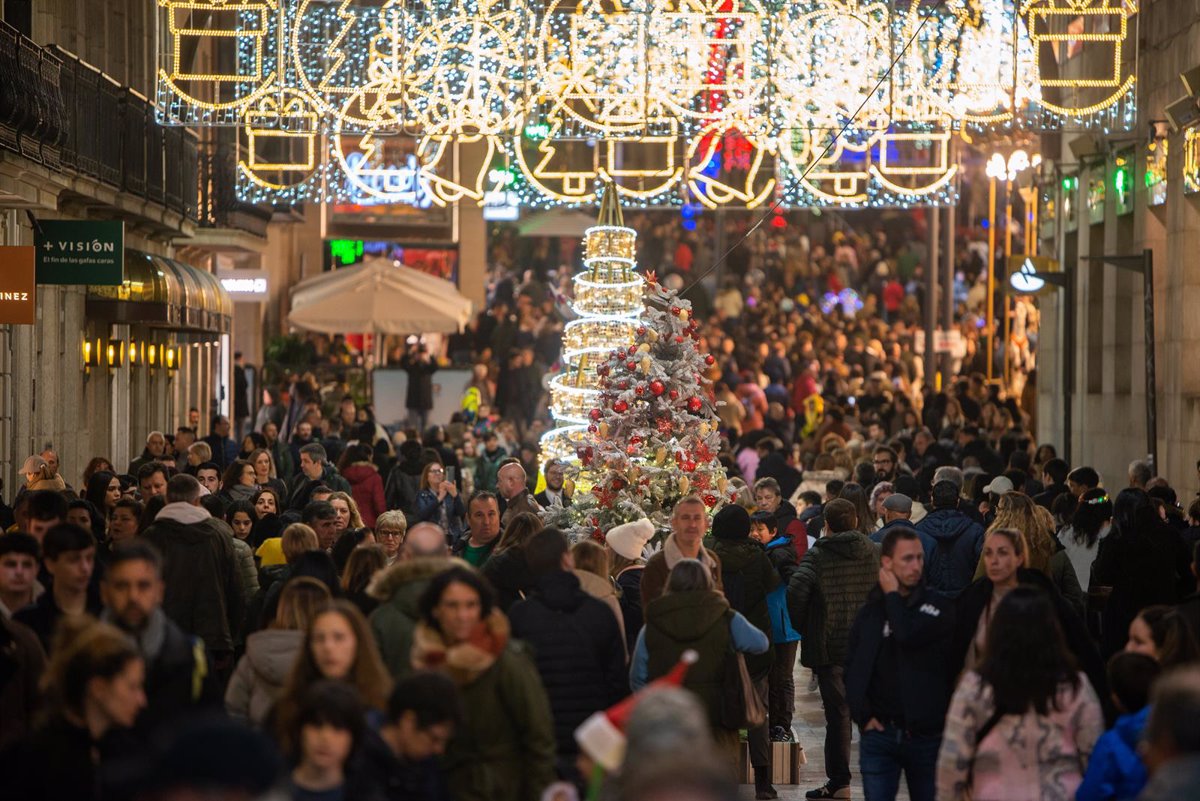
pixel 1115 771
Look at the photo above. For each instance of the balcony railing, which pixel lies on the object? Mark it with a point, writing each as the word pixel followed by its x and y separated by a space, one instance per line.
pixel 64 113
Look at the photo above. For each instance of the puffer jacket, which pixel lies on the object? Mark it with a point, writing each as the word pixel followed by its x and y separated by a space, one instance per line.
pixel 958 542
pixel 578 650
pixel 247 573
pixel 366 487
pixel 398 588
pixel 605 591
pixel 826 592
pixel 749 577
pixel 1115 771
pixel 782 554
pixel 698 620
pixel 261 673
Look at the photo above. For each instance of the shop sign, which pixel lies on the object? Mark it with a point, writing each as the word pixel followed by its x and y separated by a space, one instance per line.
pixel 244 284
pixel 18 285
pixel 81 252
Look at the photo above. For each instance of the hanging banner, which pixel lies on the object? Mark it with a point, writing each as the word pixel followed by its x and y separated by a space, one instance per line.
pixel 18 285
pixel 81 252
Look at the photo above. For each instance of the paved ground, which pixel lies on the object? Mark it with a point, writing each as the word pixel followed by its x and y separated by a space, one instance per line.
pixel 809 726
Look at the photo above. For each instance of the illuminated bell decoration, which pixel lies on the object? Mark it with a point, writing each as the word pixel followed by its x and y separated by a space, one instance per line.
pixel 608 303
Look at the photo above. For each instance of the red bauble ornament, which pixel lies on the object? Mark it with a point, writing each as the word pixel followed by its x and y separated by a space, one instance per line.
pixel 641 331
pixel 631 366
pixel 623 385
pixel 709 500
pixel 678 340
pixel 593 428
pixel 657 387
pixel 639 390
pixel 595 414
pixel 694 405
pixel 709 360
pixel 675 310
pixel 632 350
pixel 673 394
pixel 620 407
pixel 630 450
pixel 618 484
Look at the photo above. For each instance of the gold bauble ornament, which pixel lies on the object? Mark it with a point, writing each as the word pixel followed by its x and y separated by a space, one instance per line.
pixel 684 484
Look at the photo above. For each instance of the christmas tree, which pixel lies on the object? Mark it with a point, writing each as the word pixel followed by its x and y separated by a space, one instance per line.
pixel 607 303
pixel 652 438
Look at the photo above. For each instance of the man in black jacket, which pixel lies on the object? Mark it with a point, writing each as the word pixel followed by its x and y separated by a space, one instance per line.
pixel 179 679
pixel 898 681
pixel 577 645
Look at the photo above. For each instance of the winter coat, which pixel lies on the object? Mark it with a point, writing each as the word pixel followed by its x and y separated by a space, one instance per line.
pixel 748 577
pixel 203 585
pixel 247 571
pixel 420 383
pixel 1115 772
pixel 42 616
pixel 487 469
pixel 974 600
pixel 578 649
pixel 22 661
pixel 366 487
pixel 1174 780
pixel 522 502
pixel 300 491
pixel 702 621
pixel 398 589
pixel 179 679
pixel 509 574
pixel 826 592
pixel 629 582
pixel 403 484
pixel 1144 568
pixel 429 510
pixel 261 673
pixel 58 762
pixel 504 750
pixel 605 591
pixel 788 523
pixel 1023 757
pixel 921 627
pixel 958 543
pixel 782 554
pixel 658 568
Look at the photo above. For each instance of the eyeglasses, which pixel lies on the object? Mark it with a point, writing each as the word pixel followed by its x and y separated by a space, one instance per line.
pixel 390 533
pixel 437 471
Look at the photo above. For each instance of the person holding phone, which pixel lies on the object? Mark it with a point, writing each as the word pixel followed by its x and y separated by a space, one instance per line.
pixel 438 501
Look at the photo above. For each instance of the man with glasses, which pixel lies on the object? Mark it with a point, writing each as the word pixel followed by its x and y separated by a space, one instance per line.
pixel 398 588
pixel 884 460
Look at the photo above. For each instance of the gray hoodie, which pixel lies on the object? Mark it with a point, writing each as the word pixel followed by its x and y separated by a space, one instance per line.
pixel 261 673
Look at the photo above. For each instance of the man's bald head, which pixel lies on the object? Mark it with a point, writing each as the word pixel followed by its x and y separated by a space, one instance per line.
pixel 424 539
pixel 510 480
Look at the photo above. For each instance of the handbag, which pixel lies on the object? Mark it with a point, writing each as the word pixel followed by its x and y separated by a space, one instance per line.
pixel 741 705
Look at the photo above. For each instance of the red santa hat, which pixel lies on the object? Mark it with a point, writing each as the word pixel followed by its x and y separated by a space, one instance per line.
pixel 602 736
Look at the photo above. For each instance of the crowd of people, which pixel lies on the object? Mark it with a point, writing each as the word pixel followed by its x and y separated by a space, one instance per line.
pixel 305 602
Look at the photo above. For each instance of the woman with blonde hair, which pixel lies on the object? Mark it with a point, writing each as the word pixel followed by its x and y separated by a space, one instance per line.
pixel 271 654
pixel 338 645
pixel 1018 511
pixel 348 517
pixel 592 570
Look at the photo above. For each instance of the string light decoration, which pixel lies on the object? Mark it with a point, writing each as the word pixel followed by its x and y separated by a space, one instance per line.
pixel 637 91
pixel 607 305
pixel 1191 161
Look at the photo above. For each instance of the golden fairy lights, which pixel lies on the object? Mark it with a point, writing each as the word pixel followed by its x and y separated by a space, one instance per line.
pixel 650 94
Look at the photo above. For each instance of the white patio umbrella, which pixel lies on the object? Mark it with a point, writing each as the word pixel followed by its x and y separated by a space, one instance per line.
pixel 378 298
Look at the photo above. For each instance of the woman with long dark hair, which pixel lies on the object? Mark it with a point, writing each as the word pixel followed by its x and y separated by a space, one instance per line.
pixel 857 495
pixel 238 482
pixel 1024 722
pixel 103 490
pixel 1143 560
pixel 1090 523
pixel 504 751
pixel 506 569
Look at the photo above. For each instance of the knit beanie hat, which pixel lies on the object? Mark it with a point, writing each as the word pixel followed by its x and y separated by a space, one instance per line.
pixel 731 523
pixel 630 539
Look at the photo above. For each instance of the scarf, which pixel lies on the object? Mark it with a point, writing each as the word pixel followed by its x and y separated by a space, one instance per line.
pixel 466 661
pixel 150 640
pixel 672 554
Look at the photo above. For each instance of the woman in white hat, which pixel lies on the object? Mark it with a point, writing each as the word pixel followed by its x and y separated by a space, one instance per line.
pixel 626 543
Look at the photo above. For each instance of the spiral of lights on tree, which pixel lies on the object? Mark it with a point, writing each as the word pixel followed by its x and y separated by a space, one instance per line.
pixel 608 303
